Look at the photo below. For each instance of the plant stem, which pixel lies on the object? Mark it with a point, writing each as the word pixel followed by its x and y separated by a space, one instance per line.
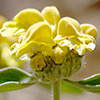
pixel 56 90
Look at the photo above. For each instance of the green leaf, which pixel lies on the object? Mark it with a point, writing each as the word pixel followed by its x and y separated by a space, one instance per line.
pixel 12 78
pixel 91 84
pixel 65 87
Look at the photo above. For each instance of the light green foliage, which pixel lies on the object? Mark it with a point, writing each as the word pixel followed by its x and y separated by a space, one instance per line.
pixel 91 84
pixel 14 79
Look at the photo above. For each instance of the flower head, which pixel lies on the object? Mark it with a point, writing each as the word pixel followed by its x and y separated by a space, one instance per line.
pixel 49 41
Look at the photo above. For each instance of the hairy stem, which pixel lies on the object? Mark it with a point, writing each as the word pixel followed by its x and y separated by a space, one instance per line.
pixel 56 90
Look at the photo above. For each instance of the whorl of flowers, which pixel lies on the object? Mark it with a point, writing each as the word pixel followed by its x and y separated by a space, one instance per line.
pixel 55 45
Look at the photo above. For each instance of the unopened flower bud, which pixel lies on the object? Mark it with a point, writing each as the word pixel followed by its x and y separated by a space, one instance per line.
pixel 58 55
pixel 37 62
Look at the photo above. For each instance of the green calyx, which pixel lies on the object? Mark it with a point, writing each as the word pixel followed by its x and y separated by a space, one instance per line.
pixel 46 70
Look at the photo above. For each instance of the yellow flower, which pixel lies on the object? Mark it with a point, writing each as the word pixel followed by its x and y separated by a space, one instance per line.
pixel 5 58
pixel 41 31
pixel 49 40
pixel 80 38
pixel 33 29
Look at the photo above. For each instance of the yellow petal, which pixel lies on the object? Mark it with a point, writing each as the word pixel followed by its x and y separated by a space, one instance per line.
pixel 52 16
pixel 40 32
pixel 20 32
pixel 80 49
pixel 74 40
pixel 9 28
pixel 37 38
pixel 83 48
pixel 58 55
pixel 89 29
pixel 87 39
pixel 30 48
pixel 28 17
pixel 69 27
pixel 90 46
pixel 64 43
pixel 8 60
pixel 75 43
pixel 37 62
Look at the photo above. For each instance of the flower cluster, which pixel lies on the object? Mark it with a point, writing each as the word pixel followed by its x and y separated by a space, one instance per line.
pixel 54 45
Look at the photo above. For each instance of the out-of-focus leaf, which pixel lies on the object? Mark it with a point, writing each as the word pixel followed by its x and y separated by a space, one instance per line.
pixel 12 78
pixel 91 84
pixel 65 87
